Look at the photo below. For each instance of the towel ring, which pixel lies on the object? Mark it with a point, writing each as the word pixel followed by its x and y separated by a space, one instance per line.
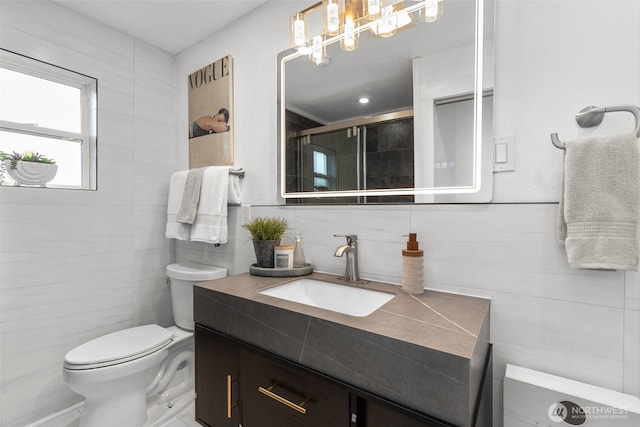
pixel 591 116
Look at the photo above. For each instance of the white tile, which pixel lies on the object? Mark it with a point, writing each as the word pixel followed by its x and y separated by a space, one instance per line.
pixel 188 416
pixel 379 230
pixel 632 290
pixel 150 223
pixel 82 263
pixel 154 64
pixel 152 302
pixel 174 422
pixel 578 341
pixel 632 352
pixel 34 397
pixel 507 248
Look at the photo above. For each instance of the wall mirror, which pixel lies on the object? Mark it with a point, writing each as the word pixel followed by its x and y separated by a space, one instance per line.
pixel 425 136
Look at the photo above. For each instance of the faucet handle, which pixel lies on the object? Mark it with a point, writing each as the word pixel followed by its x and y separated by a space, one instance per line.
pixel 351 238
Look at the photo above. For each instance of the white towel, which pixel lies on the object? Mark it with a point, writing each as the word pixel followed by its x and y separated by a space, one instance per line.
pixel 210 225
pixel 190 197
pixel 600 202
pixel 174 229
pixel 234 196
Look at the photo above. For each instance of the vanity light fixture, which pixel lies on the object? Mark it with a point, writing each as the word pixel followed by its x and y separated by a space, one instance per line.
pixel 344 20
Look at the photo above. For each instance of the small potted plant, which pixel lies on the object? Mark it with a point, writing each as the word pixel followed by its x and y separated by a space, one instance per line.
pixel 29 168
pixel 266 233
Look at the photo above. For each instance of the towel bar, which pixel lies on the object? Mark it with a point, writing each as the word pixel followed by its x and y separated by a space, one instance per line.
pixel 238 172
pixel 592 116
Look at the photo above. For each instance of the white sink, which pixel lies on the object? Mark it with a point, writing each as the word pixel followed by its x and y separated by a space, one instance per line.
pixel 330 296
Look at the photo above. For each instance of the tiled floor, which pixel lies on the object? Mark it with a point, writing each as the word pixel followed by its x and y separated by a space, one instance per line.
pixel 185 418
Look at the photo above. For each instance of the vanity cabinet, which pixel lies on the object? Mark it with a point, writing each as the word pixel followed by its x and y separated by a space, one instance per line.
pixel 240 385
pixel 217 375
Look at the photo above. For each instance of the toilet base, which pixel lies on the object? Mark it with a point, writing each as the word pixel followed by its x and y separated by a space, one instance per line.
pixel 128 408
pixel 160 414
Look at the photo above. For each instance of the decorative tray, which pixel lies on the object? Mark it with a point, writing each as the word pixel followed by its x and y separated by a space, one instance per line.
pixel 273 272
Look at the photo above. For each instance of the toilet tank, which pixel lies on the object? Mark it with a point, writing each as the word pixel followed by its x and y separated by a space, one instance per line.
pixel 183 275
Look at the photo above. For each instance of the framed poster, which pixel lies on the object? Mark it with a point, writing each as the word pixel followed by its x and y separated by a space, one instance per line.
pixel 211 115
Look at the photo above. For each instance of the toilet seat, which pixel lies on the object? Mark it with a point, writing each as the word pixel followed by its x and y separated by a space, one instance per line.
pixel 118 347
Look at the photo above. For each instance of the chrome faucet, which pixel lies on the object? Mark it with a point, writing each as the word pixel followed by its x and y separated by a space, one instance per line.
pixel 351 249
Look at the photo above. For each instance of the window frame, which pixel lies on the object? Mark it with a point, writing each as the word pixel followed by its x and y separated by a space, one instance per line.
pixel 87 137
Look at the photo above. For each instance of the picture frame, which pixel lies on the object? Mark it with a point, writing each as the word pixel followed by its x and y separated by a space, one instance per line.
pixel 211 114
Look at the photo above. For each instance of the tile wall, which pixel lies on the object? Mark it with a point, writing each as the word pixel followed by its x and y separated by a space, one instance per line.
pixel 78 264
pixel 582 325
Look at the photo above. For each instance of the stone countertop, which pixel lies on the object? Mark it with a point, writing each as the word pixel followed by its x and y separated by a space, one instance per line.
pixel 425 351
pixel 441 321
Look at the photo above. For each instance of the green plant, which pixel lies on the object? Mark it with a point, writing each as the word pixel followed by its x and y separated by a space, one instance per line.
pixel 266 228
pixel 27 156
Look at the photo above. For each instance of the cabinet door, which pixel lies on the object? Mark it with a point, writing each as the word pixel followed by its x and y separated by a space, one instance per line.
pixel 217 379
pixel 371 411
pixel 277 393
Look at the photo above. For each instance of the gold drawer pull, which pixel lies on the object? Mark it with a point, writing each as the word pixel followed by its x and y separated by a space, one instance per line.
pixel 229 405
pixel 268 392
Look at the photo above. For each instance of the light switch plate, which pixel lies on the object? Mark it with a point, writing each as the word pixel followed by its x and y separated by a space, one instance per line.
pixel 504 159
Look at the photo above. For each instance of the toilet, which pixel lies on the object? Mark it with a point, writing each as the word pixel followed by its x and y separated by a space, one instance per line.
pixel 130 377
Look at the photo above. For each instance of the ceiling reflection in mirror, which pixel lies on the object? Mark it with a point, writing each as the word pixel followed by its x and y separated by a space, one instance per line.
pixel 419 136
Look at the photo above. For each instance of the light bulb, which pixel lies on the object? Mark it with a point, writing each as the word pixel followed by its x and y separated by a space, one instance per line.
pixel 432 10
pixel 372 9
pixel 349 39
pixel 332 17
pixel 318 50
pixel 298 31
pixel 386 26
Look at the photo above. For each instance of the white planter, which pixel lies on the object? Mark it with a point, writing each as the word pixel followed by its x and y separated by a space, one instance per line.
pixel 31 173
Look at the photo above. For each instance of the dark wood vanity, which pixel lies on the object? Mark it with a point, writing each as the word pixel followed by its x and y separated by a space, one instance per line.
pixel 263 362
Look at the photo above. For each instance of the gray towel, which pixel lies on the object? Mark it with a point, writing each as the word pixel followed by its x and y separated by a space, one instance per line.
pixel 190 197
pixel 600 202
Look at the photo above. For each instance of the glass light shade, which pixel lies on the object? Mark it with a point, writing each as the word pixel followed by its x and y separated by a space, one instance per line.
pixel 298 31
pixel 432 10
pixel 331 20
pixel 372 9
pixel 349 25
pixel 387 25
pixel 318 50
pixel 349 40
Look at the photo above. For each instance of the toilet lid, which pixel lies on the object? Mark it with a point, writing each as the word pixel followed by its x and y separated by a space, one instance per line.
pixel 119 347
pixel 195 272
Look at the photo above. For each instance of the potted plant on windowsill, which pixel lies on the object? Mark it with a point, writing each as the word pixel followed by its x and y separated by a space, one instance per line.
pixel 28 168
pixel 266 233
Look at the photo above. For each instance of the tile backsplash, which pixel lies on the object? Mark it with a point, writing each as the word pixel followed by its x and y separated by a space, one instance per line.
pixel 579 324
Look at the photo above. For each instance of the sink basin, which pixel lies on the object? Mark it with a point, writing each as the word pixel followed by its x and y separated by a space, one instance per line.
pixel 344 299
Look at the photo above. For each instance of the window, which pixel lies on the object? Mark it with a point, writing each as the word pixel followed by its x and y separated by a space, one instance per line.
pixel 323 169
pixel 52 111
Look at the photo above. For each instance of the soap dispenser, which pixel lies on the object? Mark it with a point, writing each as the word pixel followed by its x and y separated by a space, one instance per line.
pixel 298 253
pixel 412 267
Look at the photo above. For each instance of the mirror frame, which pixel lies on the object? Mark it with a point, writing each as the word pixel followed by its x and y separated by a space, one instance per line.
pixel 478 177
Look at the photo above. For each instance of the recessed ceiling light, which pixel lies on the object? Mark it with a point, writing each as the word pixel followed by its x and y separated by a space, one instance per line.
pixel 364 100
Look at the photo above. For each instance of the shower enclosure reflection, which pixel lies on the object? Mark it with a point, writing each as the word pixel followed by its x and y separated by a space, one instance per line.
pixel 378 153
pixel 372 153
